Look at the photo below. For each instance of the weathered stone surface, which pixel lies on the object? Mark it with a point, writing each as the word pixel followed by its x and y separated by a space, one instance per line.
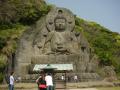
pixel 109 73
pixel 54 40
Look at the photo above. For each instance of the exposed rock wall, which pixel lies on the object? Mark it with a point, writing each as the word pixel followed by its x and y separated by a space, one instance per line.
pixel 54 40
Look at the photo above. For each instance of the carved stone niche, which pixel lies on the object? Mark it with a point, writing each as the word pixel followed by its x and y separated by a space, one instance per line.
pixel 54 40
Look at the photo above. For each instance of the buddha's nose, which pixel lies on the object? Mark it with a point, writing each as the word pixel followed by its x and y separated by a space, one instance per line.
pixel 59 43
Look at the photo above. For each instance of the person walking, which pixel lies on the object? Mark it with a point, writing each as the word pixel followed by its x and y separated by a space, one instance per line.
pixel 11 83
pixel 49 81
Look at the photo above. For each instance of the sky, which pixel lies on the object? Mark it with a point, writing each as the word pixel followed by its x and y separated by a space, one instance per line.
pixel 104 12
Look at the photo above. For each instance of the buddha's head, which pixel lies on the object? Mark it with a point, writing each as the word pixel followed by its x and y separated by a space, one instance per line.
pixel 60 22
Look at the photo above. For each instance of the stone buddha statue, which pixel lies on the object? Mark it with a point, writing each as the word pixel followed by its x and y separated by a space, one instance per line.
pixel 60 40
pixel 55 40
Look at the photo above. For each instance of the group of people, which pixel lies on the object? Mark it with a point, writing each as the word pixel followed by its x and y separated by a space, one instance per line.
pixel 45 82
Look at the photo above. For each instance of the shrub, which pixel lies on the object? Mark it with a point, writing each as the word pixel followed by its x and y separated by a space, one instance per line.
pixel 1 77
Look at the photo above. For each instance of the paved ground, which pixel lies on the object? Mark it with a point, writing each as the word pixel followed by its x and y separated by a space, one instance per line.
pixel 85 89
pixel 64 89
pixel 61 86
pixel 33 86
pixel 57 89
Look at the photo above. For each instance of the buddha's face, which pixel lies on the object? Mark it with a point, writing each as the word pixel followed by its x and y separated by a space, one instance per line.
pixel 60 24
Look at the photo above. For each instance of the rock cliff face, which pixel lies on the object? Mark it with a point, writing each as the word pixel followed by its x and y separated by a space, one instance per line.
pixel 54 40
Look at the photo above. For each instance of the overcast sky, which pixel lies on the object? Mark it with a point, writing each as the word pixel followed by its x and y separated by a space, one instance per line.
pixel 104 12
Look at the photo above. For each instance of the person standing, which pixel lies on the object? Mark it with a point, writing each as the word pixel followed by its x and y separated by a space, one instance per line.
pixel 41 83
pixel 37 80
pixel 75 78
pixel 63 77
pixel 11 84
pixel 49 81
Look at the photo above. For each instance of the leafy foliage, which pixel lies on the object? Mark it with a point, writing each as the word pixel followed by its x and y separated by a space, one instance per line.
pixel 8 44
pixel 105 42
pixel 23 11
pixel 1 77
pixel 3 63
pixel 15 16
pixel 3 60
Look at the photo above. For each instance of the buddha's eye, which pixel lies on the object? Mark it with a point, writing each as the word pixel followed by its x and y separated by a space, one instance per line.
pixel 70 22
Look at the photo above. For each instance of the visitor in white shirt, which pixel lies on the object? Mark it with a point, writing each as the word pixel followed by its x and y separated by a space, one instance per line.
pixel 63 77
pixel 11 84
pixel 75 78
pixel 49 81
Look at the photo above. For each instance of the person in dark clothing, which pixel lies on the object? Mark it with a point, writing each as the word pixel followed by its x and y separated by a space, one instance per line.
pixel 41 83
